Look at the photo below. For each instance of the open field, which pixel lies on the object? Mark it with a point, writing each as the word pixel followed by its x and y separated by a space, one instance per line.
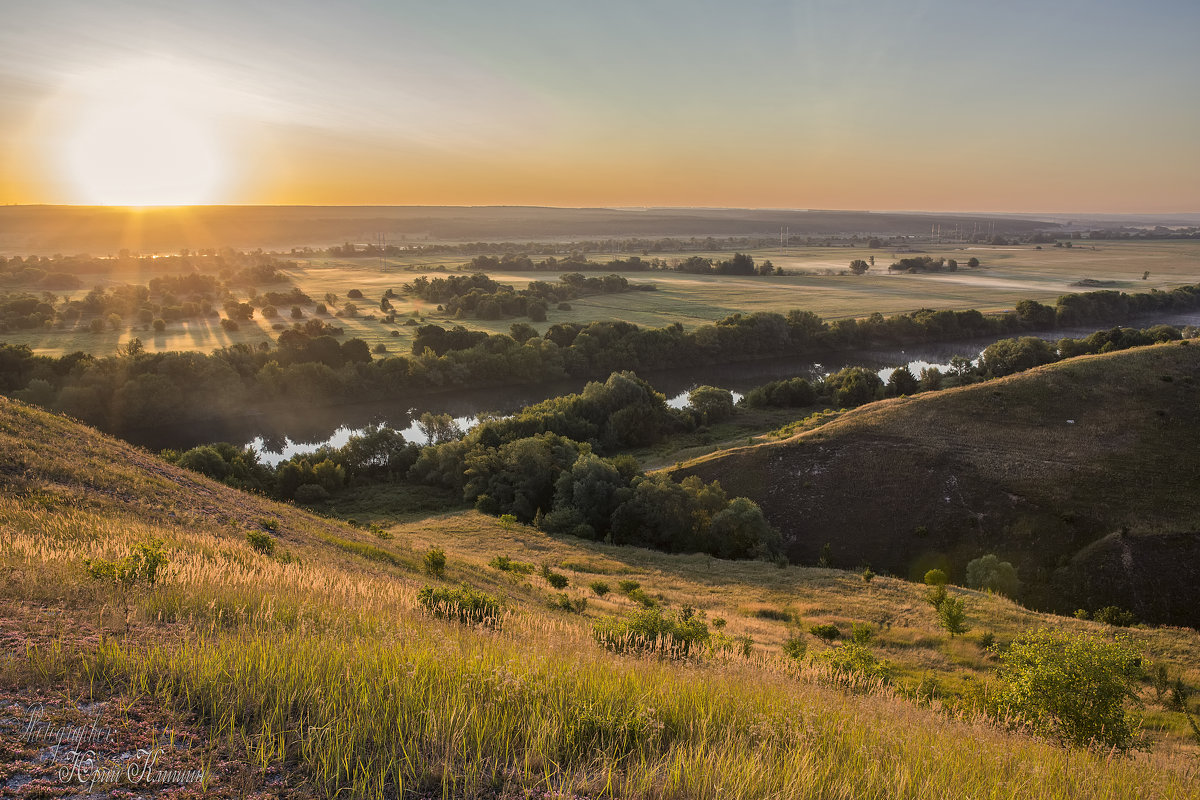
pixel 314 670
pixel 1006 275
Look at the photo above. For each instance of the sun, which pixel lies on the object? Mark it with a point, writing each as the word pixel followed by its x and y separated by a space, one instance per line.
pixel 138 137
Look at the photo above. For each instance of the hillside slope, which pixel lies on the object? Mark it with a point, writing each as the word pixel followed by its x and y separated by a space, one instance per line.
pixel 314 670
pixel 1084 473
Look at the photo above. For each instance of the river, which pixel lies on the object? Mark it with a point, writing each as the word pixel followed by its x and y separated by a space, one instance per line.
pixel 284 432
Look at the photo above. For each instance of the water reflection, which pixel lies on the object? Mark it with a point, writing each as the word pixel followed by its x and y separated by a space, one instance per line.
pixel 286 432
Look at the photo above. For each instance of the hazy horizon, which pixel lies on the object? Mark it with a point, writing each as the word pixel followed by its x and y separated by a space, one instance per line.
pixel 1073 108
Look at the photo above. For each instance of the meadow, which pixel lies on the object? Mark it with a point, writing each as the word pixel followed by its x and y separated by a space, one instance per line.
pixel 311 668
pixel 815 279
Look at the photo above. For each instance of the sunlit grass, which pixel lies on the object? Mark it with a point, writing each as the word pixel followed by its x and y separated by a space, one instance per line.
pixel 320 658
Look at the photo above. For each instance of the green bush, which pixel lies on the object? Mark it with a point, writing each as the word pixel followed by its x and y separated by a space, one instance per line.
pixel 565 602
pixel 936 595
pixel 774 613
pixel 862 633
pixel 628 586
pixel 1114 615
pixel 555 579
pixel 1071 687
pixel 867 575
pixel 464 604
pixel 796 646
pixel 641 598
pixel 936 577
pixel 262 542
pixel 599 588
pixel 506 564
pixel 855 659
pixel 827 631
pixel 651 630
pixel 140 566
pixel 435 562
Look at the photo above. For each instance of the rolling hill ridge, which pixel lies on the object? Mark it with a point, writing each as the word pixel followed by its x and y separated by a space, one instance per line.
pixel 1082 473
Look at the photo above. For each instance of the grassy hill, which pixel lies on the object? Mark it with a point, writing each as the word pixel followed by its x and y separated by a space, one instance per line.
pixel 315 670
pixel 1083 473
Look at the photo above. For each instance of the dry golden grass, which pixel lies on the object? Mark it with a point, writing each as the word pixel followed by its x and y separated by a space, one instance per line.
pixel 320 659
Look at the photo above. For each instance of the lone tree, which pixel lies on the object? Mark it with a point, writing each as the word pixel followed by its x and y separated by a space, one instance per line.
pixel 858 266
pixel 952 615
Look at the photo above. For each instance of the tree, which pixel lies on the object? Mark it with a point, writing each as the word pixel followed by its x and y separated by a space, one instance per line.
pixel 991 574
pixel 962 367
pixel 132 348
pixel 438 428
pixel 160 325
pixel 1071 687
pixel 858 266
pixel 1009 356
pixel 973 262
pixel 952 615
pixel 711 403
pixel 740 264
pixel 741 530
pixel 936 577
pixel 853 386
pixel 522 332
pixel 902 382
pixel 931 379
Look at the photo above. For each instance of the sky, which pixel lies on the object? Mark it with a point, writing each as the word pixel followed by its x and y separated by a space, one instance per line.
pixel 948 105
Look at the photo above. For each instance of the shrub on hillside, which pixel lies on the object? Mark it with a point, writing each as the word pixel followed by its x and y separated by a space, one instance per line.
pixel 853 659
pixel 1114 615
pixel 140 566
pixel 1071 687
pixel 651 630
pixel 464 604
pixel 434 562
pixel 827 631
pixel 260 541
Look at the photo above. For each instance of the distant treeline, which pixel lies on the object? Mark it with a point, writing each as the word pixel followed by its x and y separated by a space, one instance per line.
pixel 60 272
pixel 308 365
pixel 189 295
pixel 739 264
pixel 480 296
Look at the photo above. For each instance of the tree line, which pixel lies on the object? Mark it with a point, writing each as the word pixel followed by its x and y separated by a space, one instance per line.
pixel 479 296
pixel 557 465
pixel 309 365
